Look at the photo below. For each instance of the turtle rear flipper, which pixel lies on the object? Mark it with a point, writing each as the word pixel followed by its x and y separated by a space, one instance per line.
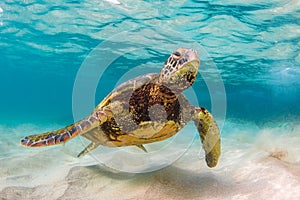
pixel 63 135
pixel 87 149
pixel 210 135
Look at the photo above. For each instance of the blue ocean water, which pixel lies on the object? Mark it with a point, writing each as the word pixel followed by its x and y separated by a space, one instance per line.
pixel 255 47
pixel 252 48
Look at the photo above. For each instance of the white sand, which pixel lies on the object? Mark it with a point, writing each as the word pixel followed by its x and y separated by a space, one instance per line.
pixel 266 167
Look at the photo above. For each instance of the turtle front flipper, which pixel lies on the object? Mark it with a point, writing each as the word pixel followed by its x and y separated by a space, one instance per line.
pixel 63 135
pixel 210 135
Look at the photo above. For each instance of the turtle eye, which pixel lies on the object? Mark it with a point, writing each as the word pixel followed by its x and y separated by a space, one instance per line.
pixel 176 55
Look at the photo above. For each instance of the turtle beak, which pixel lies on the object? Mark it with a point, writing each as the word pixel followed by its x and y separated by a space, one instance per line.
pixel 193 60
pixel 191 67
pixel 194 65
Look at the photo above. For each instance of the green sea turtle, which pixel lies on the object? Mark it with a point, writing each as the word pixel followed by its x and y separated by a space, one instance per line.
pixel 143 110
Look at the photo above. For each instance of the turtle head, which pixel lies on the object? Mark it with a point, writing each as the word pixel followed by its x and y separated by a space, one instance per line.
pixel 180 70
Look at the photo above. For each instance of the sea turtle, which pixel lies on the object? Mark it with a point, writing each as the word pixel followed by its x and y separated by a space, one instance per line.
pixel 143 110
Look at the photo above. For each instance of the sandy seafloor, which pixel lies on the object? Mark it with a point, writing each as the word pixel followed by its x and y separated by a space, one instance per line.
pixel 256 163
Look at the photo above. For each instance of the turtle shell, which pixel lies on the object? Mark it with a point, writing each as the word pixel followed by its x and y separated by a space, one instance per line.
pixel 144 111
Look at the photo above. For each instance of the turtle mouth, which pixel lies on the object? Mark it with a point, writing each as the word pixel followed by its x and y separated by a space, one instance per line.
pixel 189 67
pixel 185 76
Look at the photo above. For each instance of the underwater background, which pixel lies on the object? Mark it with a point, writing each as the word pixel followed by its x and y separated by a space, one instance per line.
pixel 250 64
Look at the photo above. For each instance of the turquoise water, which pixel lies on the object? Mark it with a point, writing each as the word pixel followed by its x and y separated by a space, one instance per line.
pixel 255 46
pixel 252 48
